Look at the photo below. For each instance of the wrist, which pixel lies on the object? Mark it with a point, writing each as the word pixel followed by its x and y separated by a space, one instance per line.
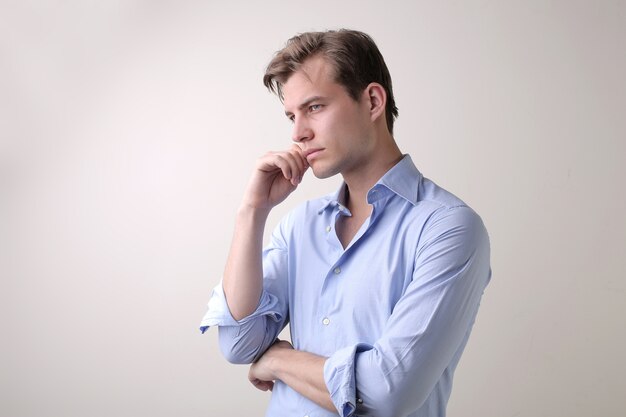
pixel 252 211
pixel 276 362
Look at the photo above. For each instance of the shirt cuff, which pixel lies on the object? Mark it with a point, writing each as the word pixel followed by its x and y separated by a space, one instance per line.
pixel 340 378
pixel 218 313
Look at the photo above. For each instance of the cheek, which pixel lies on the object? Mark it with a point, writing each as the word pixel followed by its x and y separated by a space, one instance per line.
pixel 339 124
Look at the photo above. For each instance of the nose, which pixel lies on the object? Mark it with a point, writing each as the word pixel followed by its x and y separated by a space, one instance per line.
pixel 301 131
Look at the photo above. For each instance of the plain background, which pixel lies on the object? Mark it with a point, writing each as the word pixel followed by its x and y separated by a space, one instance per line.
pixel 127 133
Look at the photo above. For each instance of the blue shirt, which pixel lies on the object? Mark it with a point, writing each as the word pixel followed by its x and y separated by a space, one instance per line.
pixel 392 311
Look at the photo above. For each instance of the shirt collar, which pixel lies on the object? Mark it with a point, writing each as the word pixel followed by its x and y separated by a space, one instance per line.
pixel 402 179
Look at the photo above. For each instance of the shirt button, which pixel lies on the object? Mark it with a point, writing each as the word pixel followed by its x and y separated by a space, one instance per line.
pixel 359 400
pixel 337 270
pixel 328 229
pixel 326 321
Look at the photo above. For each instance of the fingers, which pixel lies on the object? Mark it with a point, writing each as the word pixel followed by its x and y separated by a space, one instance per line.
pixel 281 344
pixel 258 378
pixel 291 163
pixel 276 175
pixel 303 164
pixel 263 385
pixel 295 164
pixel 301 161
pixel 289 166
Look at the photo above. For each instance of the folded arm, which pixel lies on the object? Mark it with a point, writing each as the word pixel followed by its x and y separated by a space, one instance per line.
pixel 302 371
pixel 425 334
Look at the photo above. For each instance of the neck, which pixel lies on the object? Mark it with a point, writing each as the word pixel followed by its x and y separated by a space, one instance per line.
pixel 359 183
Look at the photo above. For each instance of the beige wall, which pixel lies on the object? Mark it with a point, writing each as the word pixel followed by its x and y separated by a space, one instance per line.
pixel 128 129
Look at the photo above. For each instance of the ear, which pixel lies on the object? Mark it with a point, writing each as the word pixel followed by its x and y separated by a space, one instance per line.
pixel 377 100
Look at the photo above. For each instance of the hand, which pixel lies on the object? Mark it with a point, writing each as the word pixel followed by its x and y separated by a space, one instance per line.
pixel 276 175
pixel 261 373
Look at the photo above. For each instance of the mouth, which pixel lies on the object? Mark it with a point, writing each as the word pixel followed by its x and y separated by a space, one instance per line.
pixel 309 154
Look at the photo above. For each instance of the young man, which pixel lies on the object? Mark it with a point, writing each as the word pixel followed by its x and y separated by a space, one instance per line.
pixel 380 281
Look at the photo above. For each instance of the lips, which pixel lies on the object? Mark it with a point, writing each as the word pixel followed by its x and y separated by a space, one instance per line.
pixel 311 153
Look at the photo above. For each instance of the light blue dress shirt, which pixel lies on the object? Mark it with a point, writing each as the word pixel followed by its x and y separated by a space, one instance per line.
pixel 392 311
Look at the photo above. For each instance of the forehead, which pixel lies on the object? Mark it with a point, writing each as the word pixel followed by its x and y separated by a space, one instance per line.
pixel 316 76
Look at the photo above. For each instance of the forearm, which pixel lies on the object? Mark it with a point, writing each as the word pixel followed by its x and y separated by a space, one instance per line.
pixel 304 373
pixel 243 275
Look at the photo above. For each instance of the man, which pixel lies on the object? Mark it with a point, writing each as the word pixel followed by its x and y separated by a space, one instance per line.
pixel 380 281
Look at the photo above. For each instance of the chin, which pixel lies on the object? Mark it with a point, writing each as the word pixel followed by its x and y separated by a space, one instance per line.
pixel 323 172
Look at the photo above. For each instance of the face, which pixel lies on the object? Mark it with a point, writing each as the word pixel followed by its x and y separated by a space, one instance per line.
pixel 333 130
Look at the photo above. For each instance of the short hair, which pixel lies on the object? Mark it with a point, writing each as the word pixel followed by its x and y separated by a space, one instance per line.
pixel 353 54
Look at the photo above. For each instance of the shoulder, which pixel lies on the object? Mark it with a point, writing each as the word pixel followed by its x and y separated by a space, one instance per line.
pixel 430 193
pixel 449 217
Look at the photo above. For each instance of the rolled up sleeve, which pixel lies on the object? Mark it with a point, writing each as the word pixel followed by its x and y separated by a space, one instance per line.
pixel 428 328
pixel 245 340
pixel 218 313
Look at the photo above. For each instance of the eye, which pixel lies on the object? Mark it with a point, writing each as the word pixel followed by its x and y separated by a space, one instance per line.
pixel 315 107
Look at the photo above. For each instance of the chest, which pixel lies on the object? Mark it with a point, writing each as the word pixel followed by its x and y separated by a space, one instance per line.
pixel 347 227
pixel 340 296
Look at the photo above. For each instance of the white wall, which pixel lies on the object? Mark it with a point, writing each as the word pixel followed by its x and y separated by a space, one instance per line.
pixel 128 129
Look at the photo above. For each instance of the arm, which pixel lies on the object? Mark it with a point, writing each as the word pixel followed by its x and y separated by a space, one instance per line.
pixel 250 305
pixel 424 335
pixel 302 371
pixel 276 175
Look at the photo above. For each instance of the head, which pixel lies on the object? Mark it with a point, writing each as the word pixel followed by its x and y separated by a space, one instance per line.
pixel 353 55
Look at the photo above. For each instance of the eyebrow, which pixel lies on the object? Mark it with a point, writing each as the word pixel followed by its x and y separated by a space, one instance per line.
pixel 305 104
